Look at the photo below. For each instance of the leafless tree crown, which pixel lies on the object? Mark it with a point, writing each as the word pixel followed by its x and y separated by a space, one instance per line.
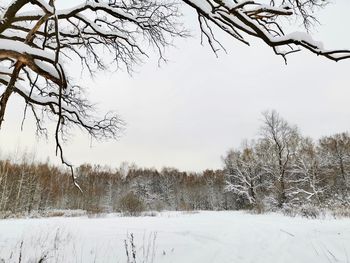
pixel 36 47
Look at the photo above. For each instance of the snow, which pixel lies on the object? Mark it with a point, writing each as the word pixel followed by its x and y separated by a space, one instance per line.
pixel 5 70
pixel 17 46
pixel 47 67
pixel 285 9
pixel 179 237
pixel 83 7
pixel 302 37
pixel 46 6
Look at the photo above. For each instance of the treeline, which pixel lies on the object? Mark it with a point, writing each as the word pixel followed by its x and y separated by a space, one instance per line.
pixel 27 187
pixel 284 169
pixel 280 169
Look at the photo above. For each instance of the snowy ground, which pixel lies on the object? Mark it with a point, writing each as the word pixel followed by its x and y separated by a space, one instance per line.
pixel 178 237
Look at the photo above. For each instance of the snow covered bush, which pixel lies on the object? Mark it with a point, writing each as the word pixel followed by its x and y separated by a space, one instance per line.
pixel 310 211
pixel 341 212
pixel 307 210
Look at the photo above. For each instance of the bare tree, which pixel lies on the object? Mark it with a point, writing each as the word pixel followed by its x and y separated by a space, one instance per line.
pixel 38 41
pixel 244 174
pixel 335 151
pixel 308 182
pixel 36 45
pixel 279 141
pixel 3 184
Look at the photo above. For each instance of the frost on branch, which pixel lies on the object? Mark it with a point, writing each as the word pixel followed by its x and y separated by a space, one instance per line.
pixel 263 21
pixel 38 43
pixel 244 174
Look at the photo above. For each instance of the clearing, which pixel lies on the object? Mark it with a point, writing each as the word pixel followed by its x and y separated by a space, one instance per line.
pixel 228 236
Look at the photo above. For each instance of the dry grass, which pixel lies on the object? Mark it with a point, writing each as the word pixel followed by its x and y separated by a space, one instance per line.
pixel 60 247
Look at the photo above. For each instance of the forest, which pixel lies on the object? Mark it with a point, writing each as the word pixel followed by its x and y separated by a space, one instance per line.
pixel 279 170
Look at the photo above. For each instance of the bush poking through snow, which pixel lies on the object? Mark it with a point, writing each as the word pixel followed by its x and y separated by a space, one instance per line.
pixel 307 210
pixel 310 211
pixel 131 205
pixel 341 212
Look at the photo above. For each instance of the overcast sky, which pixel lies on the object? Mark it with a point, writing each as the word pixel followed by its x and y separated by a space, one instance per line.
pixel 189 112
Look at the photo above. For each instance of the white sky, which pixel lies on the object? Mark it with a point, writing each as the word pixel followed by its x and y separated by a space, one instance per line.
pixel 190 111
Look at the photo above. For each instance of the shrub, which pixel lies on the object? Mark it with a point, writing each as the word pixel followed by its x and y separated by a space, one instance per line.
pixel 131 205
pixel 307 210
pixel 310 211
pixel 341 212
pixel 289 211
pixel 183 206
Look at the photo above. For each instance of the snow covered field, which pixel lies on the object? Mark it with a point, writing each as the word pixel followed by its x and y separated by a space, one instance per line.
pixel 177 237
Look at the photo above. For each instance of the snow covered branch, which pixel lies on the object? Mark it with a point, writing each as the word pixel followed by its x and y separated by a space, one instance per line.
pixel 263 21
pixel 244 174
pixel 38 42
